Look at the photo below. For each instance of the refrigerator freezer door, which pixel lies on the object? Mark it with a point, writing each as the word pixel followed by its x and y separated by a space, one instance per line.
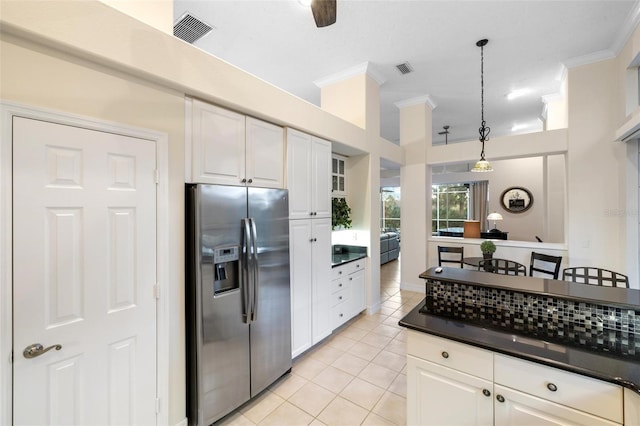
pixel 271 330
pixel 224 355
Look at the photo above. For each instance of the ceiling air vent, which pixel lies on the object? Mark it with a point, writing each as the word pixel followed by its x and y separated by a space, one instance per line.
pixel 404 68
pixel 190 28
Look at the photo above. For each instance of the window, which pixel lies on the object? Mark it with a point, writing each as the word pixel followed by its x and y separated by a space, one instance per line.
pixel 390 209
pixel 450 206
pixel 338 176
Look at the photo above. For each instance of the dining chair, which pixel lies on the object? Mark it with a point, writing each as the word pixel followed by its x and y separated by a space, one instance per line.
pixel 457 254
pixel 596 276
pixel 545 264
pixel 502 266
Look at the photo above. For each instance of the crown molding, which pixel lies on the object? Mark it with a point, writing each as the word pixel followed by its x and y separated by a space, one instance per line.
pixel 591 58
pixel 627 28
pixel 363 68
pixel 426 99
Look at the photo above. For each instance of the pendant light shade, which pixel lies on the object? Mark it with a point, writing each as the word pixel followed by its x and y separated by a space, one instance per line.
pixel 482 165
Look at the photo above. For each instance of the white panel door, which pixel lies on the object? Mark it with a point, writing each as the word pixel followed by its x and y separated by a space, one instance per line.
pixel 84 275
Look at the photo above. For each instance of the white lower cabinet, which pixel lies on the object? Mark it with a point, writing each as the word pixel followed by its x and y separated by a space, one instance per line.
pixel 518 408
pixel 348 291
pixel 631 408
pixel 310 266
pixel 450 383
pixel 438 395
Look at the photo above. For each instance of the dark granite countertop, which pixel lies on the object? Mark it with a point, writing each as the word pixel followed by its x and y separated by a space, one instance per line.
pixel 564 289
pixel 624 372
pixel 341 254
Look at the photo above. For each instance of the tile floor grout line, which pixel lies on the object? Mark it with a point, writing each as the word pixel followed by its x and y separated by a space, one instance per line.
pixel 387 406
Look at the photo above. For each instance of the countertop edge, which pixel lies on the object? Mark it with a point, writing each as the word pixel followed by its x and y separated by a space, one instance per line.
pixel 407 323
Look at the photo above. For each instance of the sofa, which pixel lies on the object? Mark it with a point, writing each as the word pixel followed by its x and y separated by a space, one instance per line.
pixel 389 247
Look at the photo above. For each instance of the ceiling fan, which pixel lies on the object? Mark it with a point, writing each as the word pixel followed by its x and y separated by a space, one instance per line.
pixel 324 12
pixel 445 132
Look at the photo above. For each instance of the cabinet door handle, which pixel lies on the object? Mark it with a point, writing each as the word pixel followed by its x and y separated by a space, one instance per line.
pixel 445 354
pixel 340 285
pixel 341 315
pixel 486 392
pixel 500 398
pixel 350 278
pixel 310 213
pixel 339 272
pixel 244 180
pixel 250 180
pixel 311 240
pixel 340 298
pixel 552 387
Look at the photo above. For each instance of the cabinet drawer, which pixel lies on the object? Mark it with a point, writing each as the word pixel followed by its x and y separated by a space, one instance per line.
pixel 573 390
pixel 338 285
pixel 340 296
pixel 347 268
pixel 461 357
pixel 340 314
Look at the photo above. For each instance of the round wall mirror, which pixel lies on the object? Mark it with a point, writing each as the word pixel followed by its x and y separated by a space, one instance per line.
pixel 516 199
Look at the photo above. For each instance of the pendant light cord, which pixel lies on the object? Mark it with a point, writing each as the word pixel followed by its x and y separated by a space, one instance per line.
pixel 484 129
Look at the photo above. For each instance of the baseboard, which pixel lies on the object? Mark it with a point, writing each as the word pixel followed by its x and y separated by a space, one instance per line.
pixel 418 288
pixel 183 422
pixel 374 309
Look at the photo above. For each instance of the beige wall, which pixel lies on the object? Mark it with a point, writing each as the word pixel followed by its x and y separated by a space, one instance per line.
pixel 44 78
pixel 596 174
pixel 157 13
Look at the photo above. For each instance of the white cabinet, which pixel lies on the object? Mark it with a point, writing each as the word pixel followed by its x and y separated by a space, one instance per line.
pixel 518 408
pixel 227 148
pixel 447 397
pixel 631 408
pixel 448 383
pixel 310 259
pixel 348 292
pixel 582 393
pixel 308 175
pixel 442 374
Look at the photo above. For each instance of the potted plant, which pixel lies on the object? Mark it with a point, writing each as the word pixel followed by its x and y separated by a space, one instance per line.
pixel 340 214
pixel 487 248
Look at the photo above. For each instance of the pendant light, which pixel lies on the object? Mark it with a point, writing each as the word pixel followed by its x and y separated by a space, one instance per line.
pixel 482 165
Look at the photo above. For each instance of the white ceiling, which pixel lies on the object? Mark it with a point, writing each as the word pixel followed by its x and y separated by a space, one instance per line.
pixel 530 43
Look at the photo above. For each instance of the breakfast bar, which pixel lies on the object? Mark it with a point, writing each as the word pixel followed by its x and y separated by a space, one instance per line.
pixel 522 350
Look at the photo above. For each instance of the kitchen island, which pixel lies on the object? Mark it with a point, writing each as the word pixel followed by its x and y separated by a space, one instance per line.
pixel 522 350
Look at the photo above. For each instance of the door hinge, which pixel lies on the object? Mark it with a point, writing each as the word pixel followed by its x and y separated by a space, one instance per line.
pixel 157 405
pixel 156 176
pixel 156 291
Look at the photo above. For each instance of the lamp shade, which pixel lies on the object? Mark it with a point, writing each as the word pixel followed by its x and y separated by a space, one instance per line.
pixel 494 216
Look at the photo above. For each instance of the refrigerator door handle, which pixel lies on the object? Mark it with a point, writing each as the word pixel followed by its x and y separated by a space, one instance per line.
pixel 254 269
pixel 245 267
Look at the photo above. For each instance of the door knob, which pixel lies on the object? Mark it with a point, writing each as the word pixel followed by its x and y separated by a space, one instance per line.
pixel 37 349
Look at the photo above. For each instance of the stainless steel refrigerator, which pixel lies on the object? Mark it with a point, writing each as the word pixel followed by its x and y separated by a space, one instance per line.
pixel 238 306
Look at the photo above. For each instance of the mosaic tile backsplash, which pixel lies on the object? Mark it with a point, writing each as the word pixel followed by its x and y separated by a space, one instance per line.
pixel 610 329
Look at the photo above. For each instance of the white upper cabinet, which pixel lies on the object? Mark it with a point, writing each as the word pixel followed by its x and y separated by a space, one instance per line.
pixel 264 154
pixel 227 148
pixel 308 175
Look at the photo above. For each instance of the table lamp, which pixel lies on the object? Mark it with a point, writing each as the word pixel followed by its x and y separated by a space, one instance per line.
pixel 494 217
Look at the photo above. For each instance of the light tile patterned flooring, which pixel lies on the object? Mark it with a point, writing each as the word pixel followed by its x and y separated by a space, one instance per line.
pixel 357 376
